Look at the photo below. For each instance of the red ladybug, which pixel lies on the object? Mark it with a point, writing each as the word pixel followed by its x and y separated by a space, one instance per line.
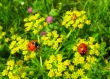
pixel 33 45
pixel 82 49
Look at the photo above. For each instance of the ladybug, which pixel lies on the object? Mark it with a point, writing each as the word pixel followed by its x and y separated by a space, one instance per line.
pixel 33 45
pixel 82 48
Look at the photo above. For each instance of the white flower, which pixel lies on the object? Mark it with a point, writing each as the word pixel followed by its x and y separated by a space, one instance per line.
pixel 22 3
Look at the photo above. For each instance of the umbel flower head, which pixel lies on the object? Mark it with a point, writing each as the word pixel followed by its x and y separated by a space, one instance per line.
pixel 75 19
pixel 34 23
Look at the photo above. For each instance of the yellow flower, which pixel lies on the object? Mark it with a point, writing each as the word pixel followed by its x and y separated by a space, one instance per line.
pixel 61 67
pixel 49 34
pixel 31 72
pixel 71 67
pixel 45 23
pixel 11 68
pixel 81 60
pixel 23 75
pixel 35 32
pixel 28 24
pixel 93 59
pixel 78 60
pixel 78 14
pixel 97 46
pixel 84 77
pixel 59 74
pixel 80 72
pixel 32 17
pixel 37 15
pixel 80 26
pixel 10 75
pixel 32 55
pixel 92 47
pixel 3 33
pixel 74 75
pixel 68 12
pixel 49 42
pixel 26 57
pixel 67 75
pixel 74 48
pixel 66 62
pixel 96 52
pixel 91 40
pixel 77 55
pixel 52 58
pixel 59 57
pixel 14 50
pixel 20 62
pixel 87 66
pixel 88 22
pixel 7 39
pixel 8 68
pixel 84 17
pixel 48 65
pixel 25 19
pixel 59 40
pixel 5 72
pixel 16 77
pixel 13 43
pixel 75 61
pixel 11 63
pixel 55 46
pixel 91 52
pixel 55 33
pixel 82 12
pixel 46 62
pixel 51 73
pixel 88 58
pixel 79 20
pixel 25 52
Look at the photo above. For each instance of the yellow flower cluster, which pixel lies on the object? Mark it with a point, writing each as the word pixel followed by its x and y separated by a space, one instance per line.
pixel 15 70
pixel 92 52
pixel 52 39
pixel 58 67
pixel 20 45
pixel 75 19
pixel 78 66
pixel 92 46
pixel 35 23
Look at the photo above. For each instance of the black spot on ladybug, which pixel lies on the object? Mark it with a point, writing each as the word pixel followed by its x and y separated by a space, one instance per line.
pixel 36 45
pixel 33 43
pixel 28 46
pixel 83 52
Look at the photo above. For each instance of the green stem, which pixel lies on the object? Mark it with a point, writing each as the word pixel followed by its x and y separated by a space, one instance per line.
pixel 68 34
pixel 64 41
pixel 41 61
